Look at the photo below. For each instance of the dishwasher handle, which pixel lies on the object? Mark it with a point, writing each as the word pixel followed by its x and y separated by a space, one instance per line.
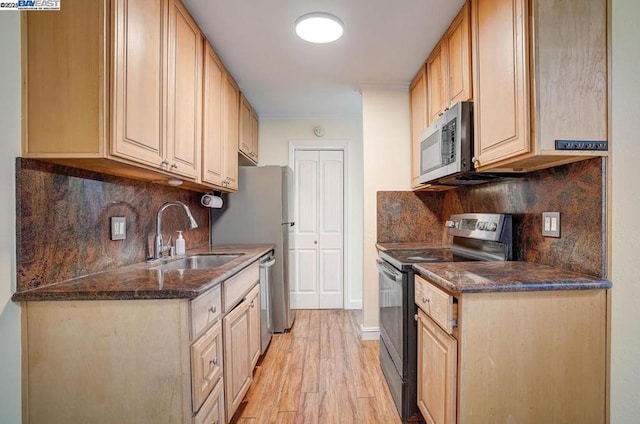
pixel 268 262
pixel 392 273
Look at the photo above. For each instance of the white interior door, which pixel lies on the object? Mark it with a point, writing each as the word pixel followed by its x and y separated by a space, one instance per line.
pixel 317 239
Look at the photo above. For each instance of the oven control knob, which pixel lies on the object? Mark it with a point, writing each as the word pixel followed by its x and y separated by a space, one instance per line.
pixel 481 225
pixel 450 224
pixel 493 226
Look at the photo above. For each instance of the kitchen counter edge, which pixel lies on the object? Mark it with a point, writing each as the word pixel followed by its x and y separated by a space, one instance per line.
pixel 144 281
pixel 511 276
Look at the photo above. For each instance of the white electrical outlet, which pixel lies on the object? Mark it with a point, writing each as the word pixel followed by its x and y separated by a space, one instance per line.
pixel 118 228
pixel 551 224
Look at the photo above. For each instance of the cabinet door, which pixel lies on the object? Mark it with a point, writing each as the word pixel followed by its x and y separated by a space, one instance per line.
pixel 458 43
pixel 254 136
pixel 206 364
pixel 254 330
pixel 245 126
pixel 237 367
pixel 436 81
pixel 212 412
pixel 437 372
pixel 418 98
pixel 184 92
pixel 501 79
pixel 230 110
pixel 64 100
pixel 213 146
pixel 139 69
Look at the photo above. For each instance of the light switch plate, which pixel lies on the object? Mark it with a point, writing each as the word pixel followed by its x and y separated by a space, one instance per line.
pixel 118 228
pixel 551 224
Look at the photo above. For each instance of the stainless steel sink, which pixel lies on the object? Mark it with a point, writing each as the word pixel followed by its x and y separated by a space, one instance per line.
pixel 209 261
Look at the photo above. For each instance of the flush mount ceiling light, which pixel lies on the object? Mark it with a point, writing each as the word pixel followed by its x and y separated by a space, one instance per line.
pixel 319 27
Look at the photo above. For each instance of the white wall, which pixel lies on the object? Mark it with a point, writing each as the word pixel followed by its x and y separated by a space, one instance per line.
pixel 386 156
pixel 625 237
pixel 10 387
pixel 273 149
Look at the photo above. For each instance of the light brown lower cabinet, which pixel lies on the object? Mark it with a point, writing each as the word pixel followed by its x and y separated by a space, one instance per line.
pixel 124 361
pixel 254 325
pixel 437 367
pixel 526 357
pixel 238 369
pixel 241 297
pixel 142 361
pixel 212 412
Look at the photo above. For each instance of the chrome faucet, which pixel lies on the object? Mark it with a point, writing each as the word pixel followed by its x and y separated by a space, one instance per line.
pixel 158 247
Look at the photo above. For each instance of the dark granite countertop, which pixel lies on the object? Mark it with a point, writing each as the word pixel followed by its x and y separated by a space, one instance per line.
pixel 477 277
pixel 146 281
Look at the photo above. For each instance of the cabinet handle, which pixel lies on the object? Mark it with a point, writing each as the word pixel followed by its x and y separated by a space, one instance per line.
pixel 214 361
pixel 164 163
pixel 174 166
pixel 213 309
pixel 476 162
pixel 416 317
pixel 252 305
pixel 425 299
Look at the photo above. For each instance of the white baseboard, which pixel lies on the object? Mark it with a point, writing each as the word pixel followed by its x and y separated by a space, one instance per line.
pixel 369 333
pixel 354 304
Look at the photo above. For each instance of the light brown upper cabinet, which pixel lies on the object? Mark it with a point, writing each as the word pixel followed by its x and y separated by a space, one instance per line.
pixel 540 82
pixel 219 157
pixel 458 41
pixel 128 98
pixel 437 81
pixel 248 133
pixel 148 129
pixel 230 108
pixel 449 67
pixel 184 90
pixel 138 107
pixel 418 99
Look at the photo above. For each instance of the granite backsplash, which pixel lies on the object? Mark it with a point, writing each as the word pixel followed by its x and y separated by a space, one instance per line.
pixel 63 225
pixel 576 190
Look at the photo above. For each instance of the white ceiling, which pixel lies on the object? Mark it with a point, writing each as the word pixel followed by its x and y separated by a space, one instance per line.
pixel 384 44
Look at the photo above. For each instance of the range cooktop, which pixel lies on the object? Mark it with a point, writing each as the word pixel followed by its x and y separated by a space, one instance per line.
pixel 476 236
pixel 404 258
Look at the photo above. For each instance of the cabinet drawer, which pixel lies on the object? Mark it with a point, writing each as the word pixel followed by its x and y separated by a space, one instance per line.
pixel 436 303
pixel 212 411
pixel 237 286
pixel 206 364
pixel 205 310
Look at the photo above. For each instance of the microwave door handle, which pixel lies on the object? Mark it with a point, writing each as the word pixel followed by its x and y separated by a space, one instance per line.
pixel 386 270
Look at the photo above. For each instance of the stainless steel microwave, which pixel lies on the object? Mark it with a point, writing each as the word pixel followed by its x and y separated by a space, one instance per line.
pixel 446 147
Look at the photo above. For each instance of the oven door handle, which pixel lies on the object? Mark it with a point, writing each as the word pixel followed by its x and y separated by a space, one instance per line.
pixel 392 273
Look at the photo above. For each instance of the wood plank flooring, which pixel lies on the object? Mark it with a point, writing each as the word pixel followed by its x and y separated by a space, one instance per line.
pixel 319 372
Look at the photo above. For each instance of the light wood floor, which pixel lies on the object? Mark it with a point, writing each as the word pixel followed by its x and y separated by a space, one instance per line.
pixel 319 372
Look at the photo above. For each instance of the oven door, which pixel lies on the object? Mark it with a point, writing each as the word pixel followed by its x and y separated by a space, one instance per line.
pixel 391 282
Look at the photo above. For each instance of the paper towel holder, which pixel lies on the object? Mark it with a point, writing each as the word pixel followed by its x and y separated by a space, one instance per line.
pixel 211 201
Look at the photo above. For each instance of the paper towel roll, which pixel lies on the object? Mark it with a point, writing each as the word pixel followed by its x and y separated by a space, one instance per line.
pixel 211 201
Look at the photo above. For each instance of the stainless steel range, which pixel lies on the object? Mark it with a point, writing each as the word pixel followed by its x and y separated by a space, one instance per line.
pixel 476 237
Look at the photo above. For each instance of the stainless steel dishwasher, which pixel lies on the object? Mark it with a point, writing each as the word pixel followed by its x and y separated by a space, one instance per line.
pixel 266 314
